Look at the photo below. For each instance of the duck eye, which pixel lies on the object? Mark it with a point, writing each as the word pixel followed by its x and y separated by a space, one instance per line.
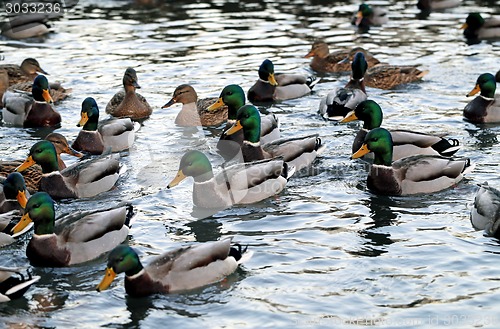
pixel 190 164
pixel 39 151
pixel 229 93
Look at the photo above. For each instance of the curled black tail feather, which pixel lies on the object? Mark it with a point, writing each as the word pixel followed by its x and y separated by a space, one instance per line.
pixel 237 251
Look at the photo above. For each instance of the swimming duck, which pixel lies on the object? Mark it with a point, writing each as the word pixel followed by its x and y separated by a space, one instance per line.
pixel 431 5
pixel 233 97
pixel 324 61
pixel 342 100
pixel 20 109
pixel 96 137
pixel 368 16
pixel 416 174
pixel 128 103
pixel 242 183
pixel 478 28
pixel 83 179
pixel 13 284
pixel 178 270
pixel 194 111
pixel 485 108
pixel 29 25
pixel 279 87
pixel 405 142
pixel 298 152
pixel 14 194
pixel 485 213
pixel 386 76
pixel 75 238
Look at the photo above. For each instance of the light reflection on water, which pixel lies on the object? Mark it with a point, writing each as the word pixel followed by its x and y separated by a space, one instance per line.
pixel 326 251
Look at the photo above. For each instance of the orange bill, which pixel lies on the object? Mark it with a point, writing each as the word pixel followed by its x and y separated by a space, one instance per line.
pixel 272 80
pixel 351 116
pixel 216 105
pixel 21 198
pixel 46 96
pixel 474 91
pixel 106 281
pixel 23 222
pixel 363 150
pixel 26 164
pixel 179 178
pixel 236 127
pixel 83 120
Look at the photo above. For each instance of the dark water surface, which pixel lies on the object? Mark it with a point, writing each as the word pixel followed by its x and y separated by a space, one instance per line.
pixel 327 253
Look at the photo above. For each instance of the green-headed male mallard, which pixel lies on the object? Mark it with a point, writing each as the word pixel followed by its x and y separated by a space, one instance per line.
pixel 75 238
pixel 298 152
pixel 478 28
pixel 13 284
pixel 368 16
pixel 14 194
pixel 128 103
pixel 405 142
pixel 22 109
pixel 83 179
pixel 242 183
pixel 342 100
pixel 485 212
pixel 485 107
pixel 96 137
pixel 178 270
pixel 233 97
pixel 195 111
pixel 324 61
pixel 417 174
pixel 278 87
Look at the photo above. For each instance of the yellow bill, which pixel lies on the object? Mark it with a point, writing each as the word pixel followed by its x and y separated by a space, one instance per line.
pixel 46 96
pixel 23 222
pixel 83 120
pixel 179 178
pixel 106 281
pixel 21 198
pixel 363 150
pixel 272 80
pixel 216 105
pixel 351 116
pixel 235 128
pixel 26 164
pixel 474 91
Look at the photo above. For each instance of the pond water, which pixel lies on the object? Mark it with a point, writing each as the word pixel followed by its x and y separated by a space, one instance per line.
pixel 327 252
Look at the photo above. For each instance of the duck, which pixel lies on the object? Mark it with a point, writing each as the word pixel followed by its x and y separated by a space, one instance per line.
pixel 368 16
pixel 478 28
pixel 279 87
pixel 14 194
pixel 31 111
pixel 80 180
pixel 432 5
pixel 178 270
pixel 233 97
pixel 13 283
pixel 30 25
pixel 240 183
pixel 405 142
pixel 33 174
pixel 128 103
pixel 416 174
pixel 485 108
pixel 96 137
pixel 497 76
pixel 298 152
pixel 341 101
pixel 386 76
pixel 194 111
pixel 485 212
pixel 325 62
pixel 75 238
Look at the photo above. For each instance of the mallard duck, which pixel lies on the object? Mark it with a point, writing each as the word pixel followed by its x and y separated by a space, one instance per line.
pixel 279 87
pixel 324 61
pixel 14 194
pixel 75 238
pixel 96 137
pixel 33 174
pixel 13 284
pixel 478 28
pixel 20 109
pixel 242 183
pixel 29 25
pixel 194 111
pixel 233 97
pixel 431 5
pixel 386 76
pixel 405 142
pixel 128 103
pixel 416 174
pixel 342 100
pixel 178 270
pixel 298 152
pixel 368 16
pixel 485 107
pixel 485 213
pixel 83 179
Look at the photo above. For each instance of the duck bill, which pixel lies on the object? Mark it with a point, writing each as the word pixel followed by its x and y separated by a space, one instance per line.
pixel 235 128
pixel 21 198
pixel 178 178
pixel 272 80
pixel 464 26
pixel 83 120
pixel 170 103
pixel 136 84
pixel 23 222
pixel 351 116
pixel 310 54
pixel 363 150
pixel 108 278
pixel 474 91
pixel 46 96
pixel 216 105
pixel 359 18
pixel 26 164
pixel 39 69
pixel 71 151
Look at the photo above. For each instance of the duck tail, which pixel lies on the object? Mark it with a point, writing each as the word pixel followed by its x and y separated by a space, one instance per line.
pixel 312 81
pixel 15 287
pixel 130 216
pixel 288 170
pixel 320 147
pixel 468 166
pixel 446 147
pixel 239 253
